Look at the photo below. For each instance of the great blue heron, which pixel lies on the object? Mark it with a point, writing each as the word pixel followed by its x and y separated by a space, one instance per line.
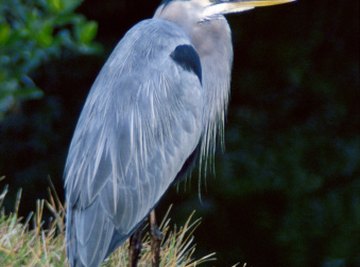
pixel 158 105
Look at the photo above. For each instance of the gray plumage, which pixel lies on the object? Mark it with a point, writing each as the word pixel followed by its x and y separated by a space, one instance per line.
pixel 159 102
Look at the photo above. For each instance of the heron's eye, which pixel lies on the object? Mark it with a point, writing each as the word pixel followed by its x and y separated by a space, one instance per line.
pixel 204 20
pixel 211 18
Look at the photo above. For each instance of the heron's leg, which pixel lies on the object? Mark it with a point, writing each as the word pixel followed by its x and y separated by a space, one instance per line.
pixel 135 247
pixel 156 237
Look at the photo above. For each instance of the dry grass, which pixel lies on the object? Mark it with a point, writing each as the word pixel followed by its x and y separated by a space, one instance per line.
pixel 25 242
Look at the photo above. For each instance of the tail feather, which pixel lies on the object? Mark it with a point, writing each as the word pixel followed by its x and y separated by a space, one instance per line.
pixel 89 235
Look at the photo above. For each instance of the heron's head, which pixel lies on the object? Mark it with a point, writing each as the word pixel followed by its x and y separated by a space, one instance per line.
pixel 205 10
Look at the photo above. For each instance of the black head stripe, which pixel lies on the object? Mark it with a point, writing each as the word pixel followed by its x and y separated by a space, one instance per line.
pixel 187 57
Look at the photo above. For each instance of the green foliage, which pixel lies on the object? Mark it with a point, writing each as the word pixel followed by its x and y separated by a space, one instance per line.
pixel 32 33
pixel 293 144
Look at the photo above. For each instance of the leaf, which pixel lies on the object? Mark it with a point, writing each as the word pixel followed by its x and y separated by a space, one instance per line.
pixel 44 36
pixel 86 31
pixel 29 93
pixel 56 5
pixel 5 32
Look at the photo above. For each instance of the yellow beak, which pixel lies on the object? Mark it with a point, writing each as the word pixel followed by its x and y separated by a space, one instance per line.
pixel 240 6
pixel 259 3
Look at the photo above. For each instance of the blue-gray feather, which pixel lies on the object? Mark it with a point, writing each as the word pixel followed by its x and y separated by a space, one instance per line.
pixel 141 121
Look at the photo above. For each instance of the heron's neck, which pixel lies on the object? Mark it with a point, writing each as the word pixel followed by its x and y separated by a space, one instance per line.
pixel 212 41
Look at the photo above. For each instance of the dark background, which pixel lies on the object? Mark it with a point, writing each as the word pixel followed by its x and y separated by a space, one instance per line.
pixel 287 188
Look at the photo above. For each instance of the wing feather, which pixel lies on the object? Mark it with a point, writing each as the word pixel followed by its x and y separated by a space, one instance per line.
pixel 140 123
